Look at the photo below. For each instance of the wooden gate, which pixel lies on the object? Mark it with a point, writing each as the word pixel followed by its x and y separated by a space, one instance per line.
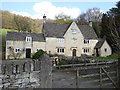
pixel 92 75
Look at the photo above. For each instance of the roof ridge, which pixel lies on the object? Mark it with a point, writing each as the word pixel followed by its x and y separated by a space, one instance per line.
pixel 23 32
pixel 22 35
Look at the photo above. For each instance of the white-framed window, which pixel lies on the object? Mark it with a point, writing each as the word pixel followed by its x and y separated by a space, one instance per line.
pixel 60 40
pixel 74 31
pixel 86 41
pixel 28 39
pixel 60 50
pixel 17 50
pixel 37 49
pixel 74 40
pixel 86 50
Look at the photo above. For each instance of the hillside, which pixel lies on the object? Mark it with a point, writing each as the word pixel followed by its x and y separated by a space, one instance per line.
pixel 21 23
pixel 13 22
pixel 4 33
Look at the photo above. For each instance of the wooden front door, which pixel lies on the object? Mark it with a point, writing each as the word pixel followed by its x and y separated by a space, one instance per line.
pixel 74 52
pixel 28 53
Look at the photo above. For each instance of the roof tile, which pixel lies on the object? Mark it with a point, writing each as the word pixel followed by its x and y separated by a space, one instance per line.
pixel 22 35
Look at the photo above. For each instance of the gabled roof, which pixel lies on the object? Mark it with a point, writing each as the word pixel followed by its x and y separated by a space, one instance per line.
pixel 55 29
pixel 88 32
pixel 22 35
pixel 58 30
pixel 99 43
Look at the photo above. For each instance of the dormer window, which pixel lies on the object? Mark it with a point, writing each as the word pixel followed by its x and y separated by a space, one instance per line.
pixel 28 39
pixel 74 31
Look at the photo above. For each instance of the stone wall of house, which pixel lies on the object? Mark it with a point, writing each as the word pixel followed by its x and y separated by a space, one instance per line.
pixel 108 51
pixel 24 73
pixel 23 45
pixel 52 43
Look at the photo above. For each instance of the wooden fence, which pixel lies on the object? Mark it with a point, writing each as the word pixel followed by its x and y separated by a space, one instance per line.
pixel 102 74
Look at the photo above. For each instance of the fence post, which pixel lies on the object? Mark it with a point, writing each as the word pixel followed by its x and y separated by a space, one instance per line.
pixel 119 63
pixel 100 78
pixel 117 72
pixel 77 78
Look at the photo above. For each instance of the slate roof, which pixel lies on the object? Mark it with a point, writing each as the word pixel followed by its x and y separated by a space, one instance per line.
pixel 55 29
pixel 52 30
pixel 99 43
pixel 58 30
pixel 22 35
pixel 88 32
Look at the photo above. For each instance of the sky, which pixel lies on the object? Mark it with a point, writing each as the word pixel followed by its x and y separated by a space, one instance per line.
pixel 36 9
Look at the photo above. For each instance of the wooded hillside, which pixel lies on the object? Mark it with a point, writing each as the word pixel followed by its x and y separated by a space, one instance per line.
pixel 21 23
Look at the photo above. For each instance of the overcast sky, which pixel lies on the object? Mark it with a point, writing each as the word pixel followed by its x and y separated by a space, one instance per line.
pixel 36 9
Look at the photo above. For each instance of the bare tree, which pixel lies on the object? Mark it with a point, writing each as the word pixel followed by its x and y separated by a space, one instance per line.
pixel 94 15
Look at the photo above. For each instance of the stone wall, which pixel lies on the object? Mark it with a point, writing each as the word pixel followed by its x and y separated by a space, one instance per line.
pixel 22 73
pixel 22 45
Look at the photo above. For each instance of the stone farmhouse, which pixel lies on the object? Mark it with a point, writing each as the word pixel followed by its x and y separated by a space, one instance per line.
pixel 57 39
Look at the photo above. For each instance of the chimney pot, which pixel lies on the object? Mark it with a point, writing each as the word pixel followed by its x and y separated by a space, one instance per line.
pixel 90 23
pixel 44 18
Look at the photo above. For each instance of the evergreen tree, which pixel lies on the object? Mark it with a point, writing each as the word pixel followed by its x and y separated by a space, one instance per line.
pixel 111 27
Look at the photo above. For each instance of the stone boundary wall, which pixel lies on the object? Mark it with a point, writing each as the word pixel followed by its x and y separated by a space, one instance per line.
pixel 21 73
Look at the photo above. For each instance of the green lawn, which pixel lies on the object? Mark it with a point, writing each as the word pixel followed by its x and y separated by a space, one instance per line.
pixel 115 57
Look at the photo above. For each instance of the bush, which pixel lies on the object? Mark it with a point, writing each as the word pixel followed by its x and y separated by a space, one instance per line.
pixel 62 62
pixel 38 54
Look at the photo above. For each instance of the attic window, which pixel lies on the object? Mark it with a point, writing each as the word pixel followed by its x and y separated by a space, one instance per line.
pixel 74 40
pixel 74 31
pixel 29 39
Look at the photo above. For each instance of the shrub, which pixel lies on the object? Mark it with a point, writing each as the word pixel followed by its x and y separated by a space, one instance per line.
pixel 38 54
pixel 62 62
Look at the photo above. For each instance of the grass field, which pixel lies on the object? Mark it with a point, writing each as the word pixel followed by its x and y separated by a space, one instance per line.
pixel 4 33
pixel 113 57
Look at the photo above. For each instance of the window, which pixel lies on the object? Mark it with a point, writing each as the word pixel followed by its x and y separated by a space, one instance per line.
pixel 74 40
pixel 28 39
pixel 37 49
pixel 60 40
pixel 17 50
pixel 74 30
pixel 86 41
pixel 60 50
pixel 86 50
pixel 63 50
pixel 105 49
